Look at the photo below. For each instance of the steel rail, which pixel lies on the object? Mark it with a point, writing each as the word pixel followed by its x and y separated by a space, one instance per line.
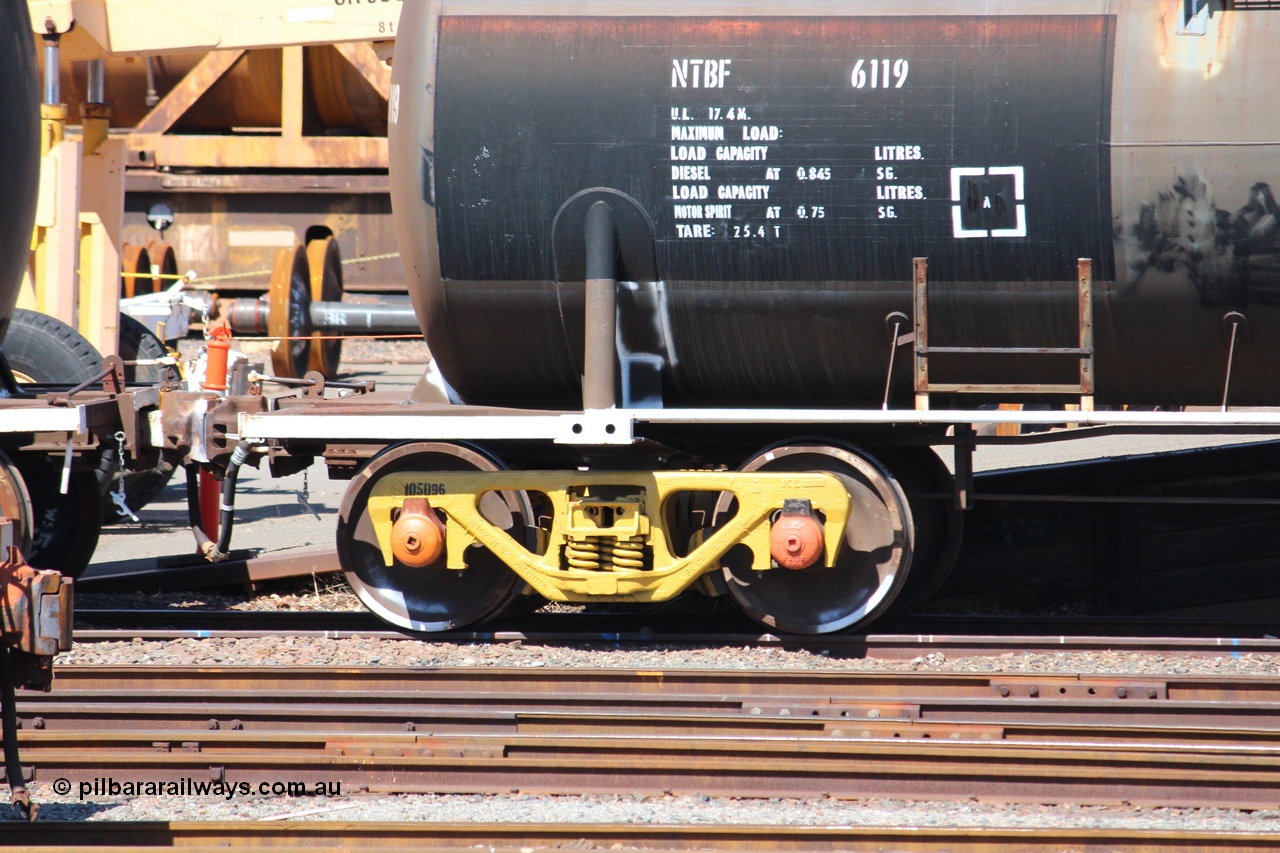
pixel 878 647
pixel 200 699
pixel 974 634
pixel 1195 776
pixel 1217 723
pixel 629 686
pixel 325 837
pixel 525 729
pixel 979 718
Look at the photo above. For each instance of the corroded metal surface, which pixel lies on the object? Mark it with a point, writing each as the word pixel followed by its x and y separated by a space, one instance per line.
pixel 35 617
pixel 630 688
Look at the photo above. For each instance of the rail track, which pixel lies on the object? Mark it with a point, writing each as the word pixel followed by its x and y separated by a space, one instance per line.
pixel 904 637
pixel 1187 741
pixel 325 837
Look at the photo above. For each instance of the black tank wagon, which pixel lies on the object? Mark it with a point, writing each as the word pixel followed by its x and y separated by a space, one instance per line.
pixel 773 169
pixel 752 231
pixel 708 282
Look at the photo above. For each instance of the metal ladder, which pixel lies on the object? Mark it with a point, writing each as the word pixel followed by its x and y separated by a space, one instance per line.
pixel 922 350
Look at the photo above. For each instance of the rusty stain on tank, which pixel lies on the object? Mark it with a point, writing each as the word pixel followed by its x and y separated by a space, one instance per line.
pixel 1191 52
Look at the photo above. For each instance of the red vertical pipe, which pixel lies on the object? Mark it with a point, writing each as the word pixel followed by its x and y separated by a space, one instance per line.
pixel 210 503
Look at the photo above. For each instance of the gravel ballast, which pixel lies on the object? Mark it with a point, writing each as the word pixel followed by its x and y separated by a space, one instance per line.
pixel 364 651
pixel 666 810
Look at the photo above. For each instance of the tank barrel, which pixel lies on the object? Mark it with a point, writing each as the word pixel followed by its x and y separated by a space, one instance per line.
pixel 598 390
pixel 20 148
pixel 768 200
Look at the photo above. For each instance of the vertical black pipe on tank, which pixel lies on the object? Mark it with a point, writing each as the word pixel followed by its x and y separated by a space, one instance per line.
pixel 598 388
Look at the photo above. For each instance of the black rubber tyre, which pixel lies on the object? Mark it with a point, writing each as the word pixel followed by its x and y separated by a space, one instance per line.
pixel 44 350
pixel 48 351
pixel 66 528
pixel 138 344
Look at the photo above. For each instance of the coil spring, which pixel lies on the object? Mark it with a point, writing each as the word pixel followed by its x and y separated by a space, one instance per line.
pixel 597 552
pixel 623 553
pixel 584 554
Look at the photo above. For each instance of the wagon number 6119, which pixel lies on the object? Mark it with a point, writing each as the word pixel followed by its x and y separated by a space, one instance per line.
pixel 876 72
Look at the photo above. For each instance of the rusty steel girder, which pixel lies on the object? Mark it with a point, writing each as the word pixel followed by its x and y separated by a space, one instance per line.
pixel 35 617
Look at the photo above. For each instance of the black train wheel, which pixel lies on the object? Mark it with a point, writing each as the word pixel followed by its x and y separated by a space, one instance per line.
pixel 325 260
pixel 871 569
pixel 433 598
pixel 289 312
pixel 66 527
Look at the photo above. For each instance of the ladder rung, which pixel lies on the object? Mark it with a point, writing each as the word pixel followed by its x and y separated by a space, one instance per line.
pixel 1008 350
pixel 961 388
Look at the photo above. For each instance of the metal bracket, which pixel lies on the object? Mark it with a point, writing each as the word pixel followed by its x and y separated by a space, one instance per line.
pixel 894 323
pixel 1236 326
pixel 316 388
pixel 111 377
pixel 599 426
pixel 964 466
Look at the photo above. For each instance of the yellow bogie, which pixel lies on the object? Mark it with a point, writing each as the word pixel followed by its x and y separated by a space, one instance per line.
pixel 610 547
